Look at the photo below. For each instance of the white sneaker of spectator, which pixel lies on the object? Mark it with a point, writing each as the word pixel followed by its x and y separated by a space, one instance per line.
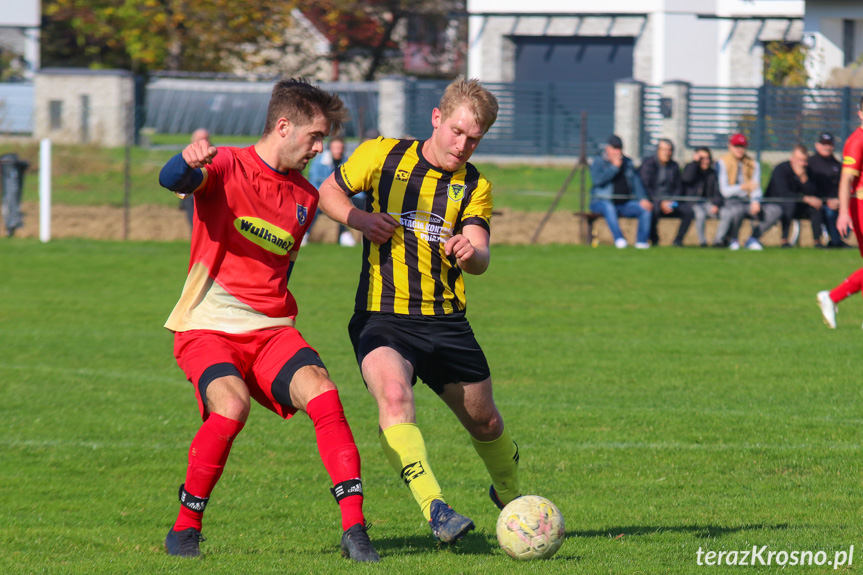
pixel 620 243
pixel 305 241
pixel 641 245
pixel 754 244
pixel 828 308
pixel 346 239
pixel 734 245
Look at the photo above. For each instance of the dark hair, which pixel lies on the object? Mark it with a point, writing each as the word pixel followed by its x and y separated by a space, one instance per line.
pixel 704 149
pixel 299 102
pixel 665 141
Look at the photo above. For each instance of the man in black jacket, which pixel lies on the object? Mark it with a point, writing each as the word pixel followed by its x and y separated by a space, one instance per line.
pixel 700 184
pixel 792 180
pixel 825 170
pixel 661 178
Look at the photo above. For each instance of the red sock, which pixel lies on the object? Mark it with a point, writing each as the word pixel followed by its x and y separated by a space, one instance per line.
pixel 850 286
pixel 207 457
pixel 338 450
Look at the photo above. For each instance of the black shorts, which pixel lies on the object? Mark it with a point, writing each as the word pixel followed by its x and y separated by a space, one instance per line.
pixel 441 349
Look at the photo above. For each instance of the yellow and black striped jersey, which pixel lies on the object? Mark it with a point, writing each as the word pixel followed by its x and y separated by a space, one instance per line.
pixel 411 273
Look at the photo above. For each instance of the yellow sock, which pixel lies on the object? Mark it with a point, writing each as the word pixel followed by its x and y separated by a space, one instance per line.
pixel 406 451
pixel 501 458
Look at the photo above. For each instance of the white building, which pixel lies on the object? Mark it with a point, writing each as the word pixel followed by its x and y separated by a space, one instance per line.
pixel 20 21
pixel 705 42
pixel 833 29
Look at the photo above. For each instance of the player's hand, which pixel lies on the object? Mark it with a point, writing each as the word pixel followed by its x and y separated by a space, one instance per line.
pixel 754 208
pixel 199 154
pixel 460 247
pixel 377 227
pixel 844 224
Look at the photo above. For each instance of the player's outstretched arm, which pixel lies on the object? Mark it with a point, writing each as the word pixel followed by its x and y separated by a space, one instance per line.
pixel 182 173
pixel 471 249
pixel 377 227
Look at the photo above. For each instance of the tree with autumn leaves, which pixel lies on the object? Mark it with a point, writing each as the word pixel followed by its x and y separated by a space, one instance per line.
pixel 230 35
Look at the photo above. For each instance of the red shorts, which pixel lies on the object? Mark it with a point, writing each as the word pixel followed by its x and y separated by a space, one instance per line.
pixel 265 360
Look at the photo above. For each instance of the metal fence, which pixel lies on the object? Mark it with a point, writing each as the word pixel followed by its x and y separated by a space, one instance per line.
pixel 179 106
pixel 774 118
pixel 16 108
pixel 535 119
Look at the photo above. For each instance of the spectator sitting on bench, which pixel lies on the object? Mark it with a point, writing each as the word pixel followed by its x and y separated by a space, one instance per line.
pixel 792 180
pixel 661 178
pixel 740 185
pixel 700 184
pixel 617 191
pixel 825 168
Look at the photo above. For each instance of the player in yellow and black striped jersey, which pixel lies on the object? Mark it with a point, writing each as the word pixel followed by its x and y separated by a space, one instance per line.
pixel 426 220
pixel 411 273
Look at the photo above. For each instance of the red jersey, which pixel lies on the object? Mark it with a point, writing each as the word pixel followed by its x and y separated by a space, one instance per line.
pixel 248 224
pixel 852 160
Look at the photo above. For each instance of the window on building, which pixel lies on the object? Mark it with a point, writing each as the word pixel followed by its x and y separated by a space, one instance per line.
pixel 55 113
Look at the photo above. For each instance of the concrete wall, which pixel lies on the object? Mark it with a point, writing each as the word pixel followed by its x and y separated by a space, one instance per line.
pixel 104 118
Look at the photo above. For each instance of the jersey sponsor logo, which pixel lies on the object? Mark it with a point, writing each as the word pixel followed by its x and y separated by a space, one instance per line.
pixel 455 192
pixel 411 471
pixel 260 232
pixel 302 214
pixel 428 226
pixel 848 161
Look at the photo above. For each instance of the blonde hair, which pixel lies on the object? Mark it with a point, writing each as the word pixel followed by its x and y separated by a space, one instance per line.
pixel 482 103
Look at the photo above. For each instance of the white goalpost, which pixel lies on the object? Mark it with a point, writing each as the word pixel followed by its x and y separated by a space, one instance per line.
pixel 45 190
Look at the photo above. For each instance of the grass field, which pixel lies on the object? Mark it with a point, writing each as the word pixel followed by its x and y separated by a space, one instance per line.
pixel 667 401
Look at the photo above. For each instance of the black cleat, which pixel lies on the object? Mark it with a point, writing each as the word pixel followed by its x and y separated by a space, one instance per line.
pixel 494 498
pixel 492 494
pixel 448 526
pixel 184 543
pixel 357 546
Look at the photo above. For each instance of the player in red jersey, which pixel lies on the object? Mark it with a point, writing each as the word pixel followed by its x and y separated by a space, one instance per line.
pixel 234 334
pixel 850 217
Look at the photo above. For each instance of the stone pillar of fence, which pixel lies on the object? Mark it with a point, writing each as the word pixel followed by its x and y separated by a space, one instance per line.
pixel 675 120
pixel 392 107
pixel 628 108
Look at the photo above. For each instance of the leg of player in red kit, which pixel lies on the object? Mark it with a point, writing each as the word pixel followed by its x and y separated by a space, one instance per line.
pixel 828 300
pixel 228 403
pixel 312 391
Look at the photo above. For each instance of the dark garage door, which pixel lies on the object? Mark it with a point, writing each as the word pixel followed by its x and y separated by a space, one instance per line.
pixel 588 65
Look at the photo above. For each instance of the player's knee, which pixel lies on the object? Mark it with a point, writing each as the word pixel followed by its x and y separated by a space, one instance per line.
pixel 232 406
pixel 394 397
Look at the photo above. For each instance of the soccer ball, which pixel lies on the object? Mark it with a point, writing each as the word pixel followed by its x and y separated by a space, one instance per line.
pixel 530 527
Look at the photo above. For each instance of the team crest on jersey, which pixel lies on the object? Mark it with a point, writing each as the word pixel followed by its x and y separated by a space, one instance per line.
pixel 455 192
pixel 302 214
pixel 402 175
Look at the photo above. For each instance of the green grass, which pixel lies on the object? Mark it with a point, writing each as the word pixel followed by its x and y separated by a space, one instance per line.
pixel 88 175
pixel 666 400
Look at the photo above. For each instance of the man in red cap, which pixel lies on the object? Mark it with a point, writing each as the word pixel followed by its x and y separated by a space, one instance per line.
pixel 850 218
pixel 740 185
